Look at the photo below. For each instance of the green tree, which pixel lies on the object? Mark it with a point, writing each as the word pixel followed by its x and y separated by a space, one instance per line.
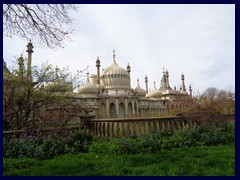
pixel 23 100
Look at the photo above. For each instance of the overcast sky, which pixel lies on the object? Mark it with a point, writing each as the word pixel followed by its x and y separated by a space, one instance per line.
pixel 196 40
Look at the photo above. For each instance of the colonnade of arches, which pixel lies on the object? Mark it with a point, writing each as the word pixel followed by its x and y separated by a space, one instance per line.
pixel 121 110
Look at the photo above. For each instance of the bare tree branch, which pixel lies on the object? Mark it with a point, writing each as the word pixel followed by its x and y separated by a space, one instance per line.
pixel 47 24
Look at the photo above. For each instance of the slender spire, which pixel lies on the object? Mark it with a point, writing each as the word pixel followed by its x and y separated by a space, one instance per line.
pixel 114 56
pixel 190 90
pixel 98 70
pixel 167 78
pixel 56 74
pixel 20 63
pixel 146 81
pixel 154 82
pixel 183 88
pixel 29 65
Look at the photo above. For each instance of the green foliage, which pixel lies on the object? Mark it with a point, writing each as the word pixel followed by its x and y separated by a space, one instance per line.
pixel 12 164
pixel 47 148
pixel 153 142
pixel 81 141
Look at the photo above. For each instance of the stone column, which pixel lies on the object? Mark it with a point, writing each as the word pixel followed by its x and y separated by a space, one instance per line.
pixel 117 106
pixel 126 107
pixel 107 107
pixel 133 105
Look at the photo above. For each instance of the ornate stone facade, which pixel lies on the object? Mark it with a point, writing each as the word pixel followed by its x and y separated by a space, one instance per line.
pixel 110 94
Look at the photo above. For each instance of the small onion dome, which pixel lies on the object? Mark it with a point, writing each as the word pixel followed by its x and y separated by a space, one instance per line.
pixel 155 92
pixel 87 88
pixel 140 92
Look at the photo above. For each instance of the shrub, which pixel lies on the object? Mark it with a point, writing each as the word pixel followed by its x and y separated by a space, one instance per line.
pixel 223 134
pixel 42 149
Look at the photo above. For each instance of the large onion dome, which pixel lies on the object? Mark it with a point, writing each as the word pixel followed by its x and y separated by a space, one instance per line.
pixel 115 77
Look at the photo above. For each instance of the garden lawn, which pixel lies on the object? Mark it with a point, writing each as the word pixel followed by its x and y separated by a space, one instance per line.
pixel 194 161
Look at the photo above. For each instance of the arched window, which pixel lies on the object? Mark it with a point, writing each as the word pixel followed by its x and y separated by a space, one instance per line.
pixel 113 113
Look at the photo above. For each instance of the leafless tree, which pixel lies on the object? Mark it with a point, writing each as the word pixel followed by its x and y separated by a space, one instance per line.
pixel 47 24
pixel 211 94
pixel 221 101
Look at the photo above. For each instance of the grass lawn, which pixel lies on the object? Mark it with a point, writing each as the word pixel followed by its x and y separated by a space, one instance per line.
pixel 196 161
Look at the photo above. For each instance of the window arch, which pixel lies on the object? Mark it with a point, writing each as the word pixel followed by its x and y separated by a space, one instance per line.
pixel 113 112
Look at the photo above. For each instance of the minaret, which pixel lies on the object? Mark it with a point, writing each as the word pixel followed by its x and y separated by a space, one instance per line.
pixel 146 81
pixel 167 80
pixel 163 86
pixel 128 69
pixel 190 90
pixel 98 70
pixel 56 79
pixel 29 65
pixel 20 63
pixel 183 84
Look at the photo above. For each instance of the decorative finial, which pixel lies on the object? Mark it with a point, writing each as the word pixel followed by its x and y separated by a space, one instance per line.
pixel 154 82
pixel 128 68
pixel 163 69
pixel 166 73
pixel 87 74
pixel 182 76
pixel 30 47
pixel 98 62
pixel 138 81
pixel 114 54
pixel 190 87
pixel 146 78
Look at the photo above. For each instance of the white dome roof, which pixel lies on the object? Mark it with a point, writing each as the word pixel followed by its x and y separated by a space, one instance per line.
pixel 140 92
pixel 155 92
pixel 115 77
pixel 87 88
